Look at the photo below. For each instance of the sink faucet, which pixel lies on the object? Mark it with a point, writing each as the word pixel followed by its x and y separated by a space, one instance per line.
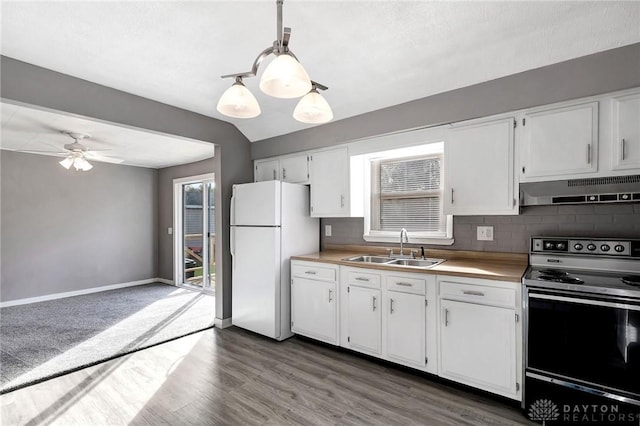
pixel 403 233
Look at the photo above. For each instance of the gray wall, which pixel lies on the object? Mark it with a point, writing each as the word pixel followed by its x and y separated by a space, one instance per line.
pixel 602 72
pixel 33 85
pixel 63 230
pixel 165 209
pixel 512 233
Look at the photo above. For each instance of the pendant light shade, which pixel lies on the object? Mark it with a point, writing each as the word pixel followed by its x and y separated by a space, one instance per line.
pixel 313 109
pixel 76 160
pixel 285 78
pixel 237 101
pixel 67 162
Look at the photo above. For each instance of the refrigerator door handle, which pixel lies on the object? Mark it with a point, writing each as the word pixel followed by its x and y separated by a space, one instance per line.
pixel 232 244
pixel 232 219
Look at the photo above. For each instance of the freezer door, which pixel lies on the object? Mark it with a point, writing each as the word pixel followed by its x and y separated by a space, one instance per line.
pixel 256 279
pixel 256 204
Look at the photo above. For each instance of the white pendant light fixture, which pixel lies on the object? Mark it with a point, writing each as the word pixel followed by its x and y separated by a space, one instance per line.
pixel 313 108
pixel 283 78
pixel 237 101
pixel 77 160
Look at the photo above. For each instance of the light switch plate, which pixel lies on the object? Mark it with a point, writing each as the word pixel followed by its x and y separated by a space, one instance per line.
pixel 169 231
pixel 485 233
pixel 327 230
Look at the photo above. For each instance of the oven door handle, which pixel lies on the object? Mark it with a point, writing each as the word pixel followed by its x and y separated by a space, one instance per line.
pixel 585 301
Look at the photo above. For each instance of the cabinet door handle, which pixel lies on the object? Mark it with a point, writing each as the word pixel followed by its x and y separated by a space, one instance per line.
pixel 451 195
pixel 588 153
pixel 623 148
pixel 342 201
pixel 284 173
pixel 446 317
pixel 362 279
pixel 473 293
pixel 373 303
pixel 391 305
pixel 330 299
pixel 310 272
pixel 274 174
pixel 405 284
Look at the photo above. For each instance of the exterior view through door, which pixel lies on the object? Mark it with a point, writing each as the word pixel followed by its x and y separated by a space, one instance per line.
pixel 194 229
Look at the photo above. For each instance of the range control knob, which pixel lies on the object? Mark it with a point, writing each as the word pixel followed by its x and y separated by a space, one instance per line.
pixel 605 247
pixel 578 246
pixel 548 245
pixel 591 247
pixel 619 248
pixel 561 246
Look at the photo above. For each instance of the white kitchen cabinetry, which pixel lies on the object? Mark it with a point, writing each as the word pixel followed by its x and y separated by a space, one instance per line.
pixel 363 307
pixel 314 300
pixel 479 334
pixel 479 169
pixel 266 170
pixel 560 142
pixel 406 319
pixel 329 179
pixel 294 169
pixel 626 132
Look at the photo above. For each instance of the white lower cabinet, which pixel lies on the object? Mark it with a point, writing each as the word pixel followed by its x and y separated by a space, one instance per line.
pixel 406 328
pixel 462 329
pixel 478 335
pixel 314 301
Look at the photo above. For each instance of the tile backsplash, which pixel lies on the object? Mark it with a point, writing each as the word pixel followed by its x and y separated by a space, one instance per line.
pixel 512 233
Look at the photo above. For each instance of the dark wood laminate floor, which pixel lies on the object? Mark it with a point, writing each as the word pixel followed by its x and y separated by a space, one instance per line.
pixel 229 377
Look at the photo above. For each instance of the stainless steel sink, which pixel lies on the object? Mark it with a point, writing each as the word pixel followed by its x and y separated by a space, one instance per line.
pixel 370 259
pixel 420 263
pixel 416 263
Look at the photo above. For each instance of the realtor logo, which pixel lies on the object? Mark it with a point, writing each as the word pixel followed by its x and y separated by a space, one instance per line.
pixel 543 410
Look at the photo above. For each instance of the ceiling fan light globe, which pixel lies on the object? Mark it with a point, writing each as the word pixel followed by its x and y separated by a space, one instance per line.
pixel 285 78
pixel 66 163
pixel 238 102
pixel 313 109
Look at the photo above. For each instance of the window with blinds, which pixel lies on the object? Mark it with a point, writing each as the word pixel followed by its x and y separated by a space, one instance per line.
pixel 407 193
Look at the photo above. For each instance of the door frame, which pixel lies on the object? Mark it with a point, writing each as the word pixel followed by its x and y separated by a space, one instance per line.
pixel 178 261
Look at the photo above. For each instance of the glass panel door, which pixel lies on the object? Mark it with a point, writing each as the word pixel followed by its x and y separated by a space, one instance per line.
pixel 196 234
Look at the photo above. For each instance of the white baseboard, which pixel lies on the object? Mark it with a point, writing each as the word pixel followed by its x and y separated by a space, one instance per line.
pixel 164 281
pixel 77 292
pixel 222 322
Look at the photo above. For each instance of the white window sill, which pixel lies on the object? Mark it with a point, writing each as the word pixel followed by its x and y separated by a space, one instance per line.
pixel 443 241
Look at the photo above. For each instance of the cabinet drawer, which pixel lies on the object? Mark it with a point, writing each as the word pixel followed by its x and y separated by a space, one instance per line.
pixel 406 284
pixel 313 272
pixel 478 294
pixel 363 279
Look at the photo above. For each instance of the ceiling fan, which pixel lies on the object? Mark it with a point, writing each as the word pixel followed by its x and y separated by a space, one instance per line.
pixel 76 154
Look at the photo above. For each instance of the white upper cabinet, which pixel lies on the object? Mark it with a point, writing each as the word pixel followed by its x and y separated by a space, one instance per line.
pixel 330 183
pixel 479 169
pixel 626 132
pixel 560 142
pixel 295 169
pixel 266 170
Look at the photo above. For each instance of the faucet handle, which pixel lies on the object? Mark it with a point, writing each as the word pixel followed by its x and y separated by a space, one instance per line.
pixel 413 253
pixel 390 252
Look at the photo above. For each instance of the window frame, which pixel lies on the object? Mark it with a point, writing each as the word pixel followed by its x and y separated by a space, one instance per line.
pixel 371 210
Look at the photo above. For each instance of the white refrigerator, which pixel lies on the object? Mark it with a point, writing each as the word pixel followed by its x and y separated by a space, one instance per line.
pixel 269 223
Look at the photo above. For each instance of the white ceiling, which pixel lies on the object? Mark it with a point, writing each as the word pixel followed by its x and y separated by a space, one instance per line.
pixel 370 54
pixel 29 129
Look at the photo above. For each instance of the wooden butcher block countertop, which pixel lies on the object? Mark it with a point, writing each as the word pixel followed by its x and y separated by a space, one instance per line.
pixel 473 264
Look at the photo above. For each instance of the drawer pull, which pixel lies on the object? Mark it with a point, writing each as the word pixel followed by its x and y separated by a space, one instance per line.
pixel 405 284
pixel 310 272
pixel 473 293
pixel 362 279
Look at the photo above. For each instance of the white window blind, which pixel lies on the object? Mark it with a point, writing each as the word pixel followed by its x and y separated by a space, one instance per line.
pixel 407 193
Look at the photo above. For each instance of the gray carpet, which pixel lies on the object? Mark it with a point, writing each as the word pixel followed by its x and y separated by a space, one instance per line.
pixel 43 340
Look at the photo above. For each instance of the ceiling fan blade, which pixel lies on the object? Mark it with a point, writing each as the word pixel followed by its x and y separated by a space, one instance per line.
pixel 63 154
pixel 90 155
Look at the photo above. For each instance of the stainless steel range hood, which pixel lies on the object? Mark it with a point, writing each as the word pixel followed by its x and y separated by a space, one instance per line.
pixel 614 189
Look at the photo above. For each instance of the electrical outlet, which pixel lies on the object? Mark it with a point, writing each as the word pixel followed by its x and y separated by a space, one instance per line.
pixel 169 231
pixel 485 233
pixel 327 230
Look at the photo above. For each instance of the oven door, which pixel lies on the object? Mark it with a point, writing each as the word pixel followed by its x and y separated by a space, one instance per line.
pixel 586 339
